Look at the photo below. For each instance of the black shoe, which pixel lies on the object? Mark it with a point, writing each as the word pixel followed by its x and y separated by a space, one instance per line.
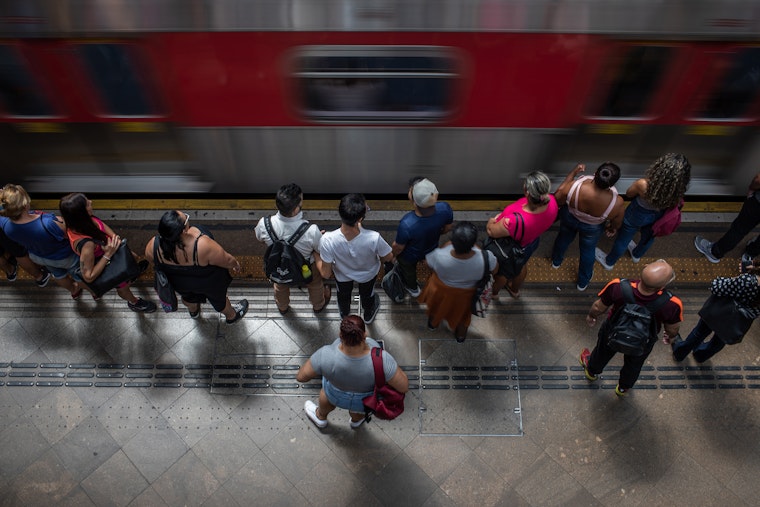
pixel 42 282
pixel 285 311
pixel 369 316
pixel 241 308
pixel 13 274
pixel 142 306
pixel 675 345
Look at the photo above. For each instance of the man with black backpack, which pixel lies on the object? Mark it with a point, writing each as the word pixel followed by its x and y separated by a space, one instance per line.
pixel 292 251
pixel 638 309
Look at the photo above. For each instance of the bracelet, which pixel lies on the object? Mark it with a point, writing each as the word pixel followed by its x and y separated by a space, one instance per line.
pixel 108 259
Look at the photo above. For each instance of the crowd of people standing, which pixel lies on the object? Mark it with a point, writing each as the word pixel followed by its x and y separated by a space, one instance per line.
pixel 75 248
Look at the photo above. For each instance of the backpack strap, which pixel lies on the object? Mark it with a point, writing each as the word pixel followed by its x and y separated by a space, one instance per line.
pixel 377 364
pixel 652 306
pixel 299 232
pixel 270 231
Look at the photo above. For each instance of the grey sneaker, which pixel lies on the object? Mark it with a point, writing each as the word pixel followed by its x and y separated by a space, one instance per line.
pixel 601 258
pixel 413 292
pixel 241 308
pixel 631 248
pixel 704 247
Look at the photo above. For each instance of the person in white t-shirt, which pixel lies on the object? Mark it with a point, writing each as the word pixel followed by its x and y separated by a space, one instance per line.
pixel 352 253
pixel 288 219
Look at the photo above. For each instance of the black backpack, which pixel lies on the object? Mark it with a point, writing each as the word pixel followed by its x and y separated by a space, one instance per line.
pixel 633 327
pixel 283 263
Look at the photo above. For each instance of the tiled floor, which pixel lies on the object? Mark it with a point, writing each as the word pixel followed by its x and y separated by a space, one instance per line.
pixel 669 443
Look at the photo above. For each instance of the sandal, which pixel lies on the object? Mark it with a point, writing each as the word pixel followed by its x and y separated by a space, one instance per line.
pixel 514 294
pixel 196 313
pixel 75 295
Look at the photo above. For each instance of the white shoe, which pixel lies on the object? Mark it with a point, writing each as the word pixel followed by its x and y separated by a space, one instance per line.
pixel 601 258
pixel 581 289
pixel 631 247
pixel 358 423
pixel 311 412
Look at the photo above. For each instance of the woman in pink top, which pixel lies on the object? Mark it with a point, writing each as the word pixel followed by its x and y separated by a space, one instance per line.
pixel 524 220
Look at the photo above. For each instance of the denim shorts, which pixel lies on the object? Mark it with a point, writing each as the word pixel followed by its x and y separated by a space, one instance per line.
pixel 344 399
pixel 59 268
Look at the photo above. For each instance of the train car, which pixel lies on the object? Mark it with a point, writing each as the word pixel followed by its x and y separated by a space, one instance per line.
pixel 240 96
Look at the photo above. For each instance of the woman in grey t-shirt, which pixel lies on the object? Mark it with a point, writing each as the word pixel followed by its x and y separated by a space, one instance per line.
pixel 347 373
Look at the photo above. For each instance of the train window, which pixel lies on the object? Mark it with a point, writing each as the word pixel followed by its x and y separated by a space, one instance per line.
pixel 375 84
pixel 631 80
pixel 737 89
pixel 118 76
pixel 20 93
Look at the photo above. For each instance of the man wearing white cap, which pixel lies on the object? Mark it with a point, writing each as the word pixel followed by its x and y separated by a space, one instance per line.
pixel 419 230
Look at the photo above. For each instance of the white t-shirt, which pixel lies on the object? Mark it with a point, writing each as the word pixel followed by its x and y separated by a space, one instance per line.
pixel 459 273
pixel 358 259
pixel 284 227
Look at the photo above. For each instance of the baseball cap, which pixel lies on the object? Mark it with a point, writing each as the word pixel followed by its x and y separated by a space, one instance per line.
pixel 424 193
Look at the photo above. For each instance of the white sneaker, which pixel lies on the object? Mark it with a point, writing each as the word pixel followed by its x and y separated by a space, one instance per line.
pixel 601 258
pixel 311 412
pixel 414 292
pixel 581 289
pixel 631 247
pixel 358 423
pixel 704 247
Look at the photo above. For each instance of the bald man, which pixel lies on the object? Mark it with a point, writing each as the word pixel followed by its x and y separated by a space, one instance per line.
pixel 654 278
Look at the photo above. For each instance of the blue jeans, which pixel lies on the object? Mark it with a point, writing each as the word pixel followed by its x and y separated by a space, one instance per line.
pixel 588 237
pixel 635 218
pixel 695 342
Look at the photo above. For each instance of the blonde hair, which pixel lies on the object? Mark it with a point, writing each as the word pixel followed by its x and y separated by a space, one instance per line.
pixel 667 179
pixel 537 185
pixel 14 201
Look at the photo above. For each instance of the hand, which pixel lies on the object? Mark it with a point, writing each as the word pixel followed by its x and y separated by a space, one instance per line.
pixel 114 242
pixel 666 338
pixel 236 268
pixel 579 168
pixel 610 232
pixel 591 321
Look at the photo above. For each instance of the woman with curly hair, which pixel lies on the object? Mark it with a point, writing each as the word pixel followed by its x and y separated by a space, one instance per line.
pixel 662 187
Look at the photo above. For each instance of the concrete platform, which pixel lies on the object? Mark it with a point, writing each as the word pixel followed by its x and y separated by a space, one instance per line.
pixel 101 406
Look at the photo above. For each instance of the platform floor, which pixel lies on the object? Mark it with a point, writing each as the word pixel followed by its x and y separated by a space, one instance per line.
pixel 101 406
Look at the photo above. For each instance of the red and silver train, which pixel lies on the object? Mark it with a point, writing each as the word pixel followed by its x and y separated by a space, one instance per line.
pixel 240 96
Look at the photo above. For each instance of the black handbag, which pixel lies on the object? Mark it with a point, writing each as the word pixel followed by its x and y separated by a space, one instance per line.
pixel 508 251
pixel 121 268
pixel 728 320
pixel 164 290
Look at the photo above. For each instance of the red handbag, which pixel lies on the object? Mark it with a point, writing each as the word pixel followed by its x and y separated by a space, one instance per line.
pixel 385 402
pixel 668 222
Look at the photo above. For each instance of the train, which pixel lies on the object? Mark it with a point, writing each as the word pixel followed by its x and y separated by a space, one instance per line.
pixel 166 97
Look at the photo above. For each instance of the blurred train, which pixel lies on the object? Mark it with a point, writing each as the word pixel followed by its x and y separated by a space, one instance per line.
pixel 240 96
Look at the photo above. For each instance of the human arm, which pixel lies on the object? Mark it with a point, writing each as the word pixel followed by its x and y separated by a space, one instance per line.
pixel 148 253
pixel 397 249
pixel 754 185
pixel 498 229
pixel 615 218
pixel 90 269
pixel 597 309
pixel 638 188
pixel 211 253
pixel 399 381
pixel 561 193
pixel 306 372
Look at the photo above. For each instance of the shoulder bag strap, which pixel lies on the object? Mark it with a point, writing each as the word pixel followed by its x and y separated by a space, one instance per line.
pixel 377 364
pixel 519 222
pixel 195 249
pixel 270 231
pixel 486 271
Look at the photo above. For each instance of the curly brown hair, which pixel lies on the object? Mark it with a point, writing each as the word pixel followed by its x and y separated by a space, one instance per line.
pixel 352 330
pixel 667 179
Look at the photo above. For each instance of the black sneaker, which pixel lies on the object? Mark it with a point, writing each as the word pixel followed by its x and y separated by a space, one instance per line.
pixel 241 308
pixel 42 282
pixel 13 274
pixel 142 306
pixel 370 315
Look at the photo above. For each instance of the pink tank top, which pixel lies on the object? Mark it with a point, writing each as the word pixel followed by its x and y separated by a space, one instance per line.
pixel 572 199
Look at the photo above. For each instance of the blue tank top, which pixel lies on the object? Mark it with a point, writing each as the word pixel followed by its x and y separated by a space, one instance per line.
pixel 42 237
